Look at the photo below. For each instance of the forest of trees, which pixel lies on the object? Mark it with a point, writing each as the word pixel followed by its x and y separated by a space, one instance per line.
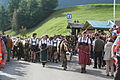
pixel 25 13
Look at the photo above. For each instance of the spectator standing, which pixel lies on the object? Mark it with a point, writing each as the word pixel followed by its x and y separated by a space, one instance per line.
pixel 9 46
pixel 98 49
pixel 4 37
pixel 116 49
pixel 108 57
pixel 3 53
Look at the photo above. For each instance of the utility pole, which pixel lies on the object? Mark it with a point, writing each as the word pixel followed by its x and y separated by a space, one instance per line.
pixel 114 10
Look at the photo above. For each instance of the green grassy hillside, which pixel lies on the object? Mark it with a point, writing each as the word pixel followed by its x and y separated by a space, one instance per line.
pixel 56 23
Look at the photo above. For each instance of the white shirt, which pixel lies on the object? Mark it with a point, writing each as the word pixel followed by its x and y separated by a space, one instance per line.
pixel 44 42
pixel 34 41
pixel 55 42
pixel 114 32
pixel 87 40
pixel 49 43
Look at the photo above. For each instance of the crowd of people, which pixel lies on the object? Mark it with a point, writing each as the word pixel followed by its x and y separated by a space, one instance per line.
pixel 103 48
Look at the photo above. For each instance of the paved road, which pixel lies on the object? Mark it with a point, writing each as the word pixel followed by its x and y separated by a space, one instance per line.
pixel 21 70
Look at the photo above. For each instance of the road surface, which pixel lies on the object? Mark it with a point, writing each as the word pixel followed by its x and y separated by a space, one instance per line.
pixel 21 70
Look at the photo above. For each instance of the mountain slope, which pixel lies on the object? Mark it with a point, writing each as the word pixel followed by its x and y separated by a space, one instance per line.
pixel 56 23
pixel 69 3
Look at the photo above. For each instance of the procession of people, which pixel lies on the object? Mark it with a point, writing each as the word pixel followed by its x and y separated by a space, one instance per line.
pixel 91 47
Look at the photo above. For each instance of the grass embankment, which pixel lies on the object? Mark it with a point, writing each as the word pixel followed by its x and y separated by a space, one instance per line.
pixel 56 23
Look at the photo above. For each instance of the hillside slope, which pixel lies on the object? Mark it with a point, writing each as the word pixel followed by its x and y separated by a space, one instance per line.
pixel 70 3
pixel 56 23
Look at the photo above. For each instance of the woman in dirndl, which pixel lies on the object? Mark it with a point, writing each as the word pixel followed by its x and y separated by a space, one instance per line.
pixel 44 51
pixel 84 50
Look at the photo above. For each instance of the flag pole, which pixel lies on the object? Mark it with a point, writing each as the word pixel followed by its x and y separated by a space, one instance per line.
pixel 114 10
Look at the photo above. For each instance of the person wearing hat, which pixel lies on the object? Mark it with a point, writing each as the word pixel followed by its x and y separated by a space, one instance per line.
pixel 3 52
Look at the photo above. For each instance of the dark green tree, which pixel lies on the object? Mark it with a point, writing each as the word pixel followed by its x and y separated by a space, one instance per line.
pixel 4 18
pixel 29 13
pixel 15 21
pixel 49 5
pixel 13 5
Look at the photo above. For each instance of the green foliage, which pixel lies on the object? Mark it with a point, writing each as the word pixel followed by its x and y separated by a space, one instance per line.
pixel 10 32
pixel 23 31
pixel 29 13
pixel 12 6
pixel 49 5
pixel 4 18
pixel 15 22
